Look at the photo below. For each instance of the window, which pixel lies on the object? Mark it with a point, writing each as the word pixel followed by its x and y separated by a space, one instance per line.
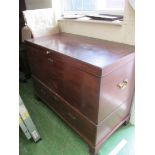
pixel 95 6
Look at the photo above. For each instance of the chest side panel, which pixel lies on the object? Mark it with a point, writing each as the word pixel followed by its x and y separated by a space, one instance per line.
pixel 116 88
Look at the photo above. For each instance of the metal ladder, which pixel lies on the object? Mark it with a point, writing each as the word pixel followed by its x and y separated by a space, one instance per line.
pixel 26 124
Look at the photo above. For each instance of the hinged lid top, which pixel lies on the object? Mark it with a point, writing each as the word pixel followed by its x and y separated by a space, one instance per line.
pixel 96 52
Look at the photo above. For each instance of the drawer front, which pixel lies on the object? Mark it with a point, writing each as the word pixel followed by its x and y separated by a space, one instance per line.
pixel 80 124
pixel 116 87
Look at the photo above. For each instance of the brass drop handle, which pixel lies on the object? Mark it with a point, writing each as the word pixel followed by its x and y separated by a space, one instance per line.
pixel 123 84
pixel 50 60
pixel 70 115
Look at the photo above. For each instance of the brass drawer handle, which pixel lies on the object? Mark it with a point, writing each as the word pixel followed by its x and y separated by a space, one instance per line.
pixel 50 60
pixel 70 115
pixel 123 84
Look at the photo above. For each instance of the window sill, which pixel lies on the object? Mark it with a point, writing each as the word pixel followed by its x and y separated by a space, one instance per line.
pixel 88 20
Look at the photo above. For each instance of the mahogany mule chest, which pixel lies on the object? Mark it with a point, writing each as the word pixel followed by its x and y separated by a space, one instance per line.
pixel 89 83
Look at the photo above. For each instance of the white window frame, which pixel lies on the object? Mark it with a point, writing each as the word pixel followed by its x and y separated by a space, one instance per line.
pixel 107 11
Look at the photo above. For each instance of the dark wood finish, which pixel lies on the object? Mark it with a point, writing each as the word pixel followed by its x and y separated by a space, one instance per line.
pixel 23 63
pixel 61 78
pixel 111 97
pixel 91 55
pixel 22 7
pixel 88 82
pixel 70 115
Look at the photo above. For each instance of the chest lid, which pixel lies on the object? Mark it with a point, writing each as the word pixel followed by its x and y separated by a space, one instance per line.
pixel 100 55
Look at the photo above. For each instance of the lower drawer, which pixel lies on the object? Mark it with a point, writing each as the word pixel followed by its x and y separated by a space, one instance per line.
pixel 74 119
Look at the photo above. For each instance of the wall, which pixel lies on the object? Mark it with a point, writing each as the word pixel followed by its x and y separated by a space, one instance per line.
pixel 124 33
pixel 38 4
pixel 132 118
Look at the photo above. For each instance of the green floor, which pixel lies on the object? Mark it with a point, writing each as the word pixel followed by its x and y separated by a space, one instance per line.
pixel 58 138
